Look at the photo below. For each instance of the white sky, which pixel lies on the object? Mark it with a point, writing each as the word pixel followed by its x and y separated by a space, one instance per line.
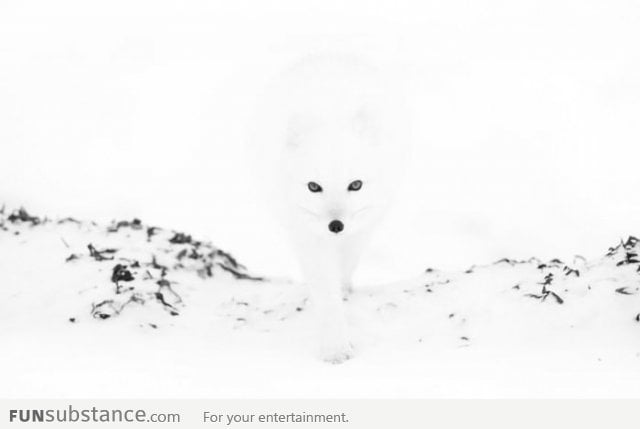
pixel 527 118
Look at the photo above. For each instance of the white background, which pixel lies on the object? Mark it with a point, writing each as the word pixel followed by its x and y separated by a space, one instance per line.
pixel 527 119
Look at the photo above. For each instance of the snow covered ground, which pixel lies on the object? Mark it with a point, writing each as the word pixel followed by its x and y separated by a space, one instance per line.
pixel 133 310
pixel 526 139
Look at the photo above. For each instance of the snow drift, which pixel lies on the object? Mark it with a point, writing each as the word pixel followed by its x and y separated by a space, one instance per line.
pixel 129 309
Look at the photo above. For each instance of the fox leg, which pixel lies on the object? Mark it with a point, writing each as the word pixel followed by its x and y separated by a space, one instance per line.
pixel 350 253
pixel 332 323
pixel 322 270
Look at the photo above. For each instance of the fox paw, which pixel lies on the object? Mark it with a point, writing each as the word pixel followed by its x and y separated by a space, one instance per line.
pixel 338 355
pixel 347 291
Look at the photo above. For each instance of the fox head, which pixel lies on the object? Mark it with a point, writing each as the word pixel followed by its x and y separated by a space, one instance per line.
pixel 335 174
pixel 330 131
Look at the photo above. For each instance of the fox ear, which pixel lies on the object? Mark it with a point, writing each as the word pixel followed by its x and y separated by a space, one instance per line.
pixel 364 123
pixel 297 127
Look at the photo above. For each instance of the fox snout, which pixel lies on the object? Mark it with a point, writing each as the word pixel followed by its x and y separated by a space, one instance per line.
pixel 336 226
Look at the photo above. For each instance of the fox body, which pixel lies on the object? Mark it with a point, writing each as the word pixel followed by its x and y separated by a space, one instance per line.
pixel 329 135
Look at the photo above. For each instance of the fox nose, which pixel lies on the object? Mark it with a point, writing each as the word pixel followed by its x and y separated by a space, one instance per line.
pixel 336 226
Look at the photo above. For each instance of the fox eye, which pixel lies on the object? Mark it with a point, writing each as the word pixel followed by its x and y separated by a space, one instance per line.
pixel 314 187
pixel 355 185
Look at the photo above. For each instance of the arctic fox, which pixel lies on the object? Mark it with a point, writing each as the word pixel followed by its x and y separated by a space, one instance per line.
pixel 332 137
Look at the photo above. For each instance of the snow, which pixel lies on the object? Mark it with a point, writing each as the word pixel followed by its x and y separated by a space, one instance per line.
pixel 512 328
pixel 526 143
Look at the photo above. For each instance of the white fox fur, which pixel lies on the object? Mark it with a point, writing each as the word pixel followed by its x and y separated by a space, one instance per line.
pixel 330 120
